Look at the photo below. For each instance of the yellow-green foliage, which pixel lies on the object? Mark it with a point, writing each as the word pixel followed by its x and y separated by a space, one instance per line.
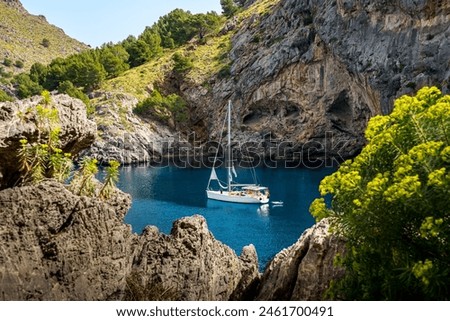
pixel 209 57
pixel 392 203
pixel 44 158
pixel 136 81
pixel 207 60
pixel 22 39
pixel 260 7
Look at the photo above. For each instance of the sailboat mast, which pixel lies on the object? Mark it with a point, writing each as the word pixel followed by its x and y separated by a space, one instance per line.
pixel 229 146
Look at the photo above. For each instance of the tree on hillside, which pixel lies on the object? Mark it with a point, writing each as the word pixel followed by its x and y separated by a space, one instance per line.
pixel 229 8
pixel 152 38
pixel 26 87
pixel 114 59
pixel 392 204
pixel 38 73
pixel 138 50
pixel 175 28
pixel 56 73
pixel 205 23
pixel 85 70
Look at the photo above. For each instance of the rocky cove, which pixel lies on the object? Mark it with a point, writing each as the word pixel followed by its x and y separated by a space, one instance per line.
pixel 308 68
pixel 60 246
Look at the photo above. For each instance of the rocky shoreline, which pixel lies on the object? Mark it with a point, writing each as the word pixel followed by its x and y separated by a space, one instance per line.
pixel 59 246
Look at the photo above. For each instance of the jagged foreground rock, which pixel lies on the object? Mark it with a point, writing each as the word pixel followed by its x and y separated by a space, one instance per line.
pixel 18 121
pixel 304 270
pixel 194 264
pixel 58 246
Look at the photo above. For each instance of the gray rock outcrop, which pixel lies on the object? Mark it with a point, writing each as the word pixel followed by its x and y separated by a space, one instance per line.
pixel 194 264
pixel 18 120
pixel 55 245
pixel 122 135
pixel 304 270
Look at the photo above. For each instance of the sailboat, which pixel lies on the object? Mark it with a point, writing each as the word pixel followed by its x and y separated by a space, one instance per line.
pixel 231 191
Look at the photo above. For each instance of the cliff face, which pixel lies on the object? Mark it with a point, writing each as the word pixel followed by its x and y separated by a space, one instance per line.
pixel 316 71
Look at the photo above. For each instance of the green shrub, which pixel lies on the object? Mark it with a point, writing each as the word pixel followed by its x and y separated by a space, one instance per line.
pixel 45 43
pixel 163 107
pixel 182 63
pixel 4 96
pixel 19 64
pixel 7 62
pixel 392 204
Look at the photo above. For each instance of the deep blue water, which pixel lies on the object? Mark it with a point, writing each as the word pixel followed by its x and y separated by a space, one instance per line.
pixel 163 194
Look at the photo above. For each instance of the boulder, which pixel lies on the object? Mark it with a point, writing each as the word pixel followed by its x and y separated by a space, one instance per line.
pixel 303 271
pixel 193 264
pixel 18 120
pixel 55 245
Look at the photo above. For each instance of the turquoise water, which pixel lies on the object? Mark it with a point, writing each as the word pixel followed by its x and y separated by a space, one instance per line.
pixel 163 194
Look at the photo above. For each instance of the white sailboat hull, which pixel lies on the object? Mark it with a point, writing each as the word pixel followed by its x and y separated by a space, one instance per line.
pixel 233 197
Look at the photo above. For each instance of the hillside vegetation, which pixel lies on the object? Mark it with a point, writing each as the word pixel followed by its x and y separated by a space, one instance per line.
pixel 205 57
pixel 26 39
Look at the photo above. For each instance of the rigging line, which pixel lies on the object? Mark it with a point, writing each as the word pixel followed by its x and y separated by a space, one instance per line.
pixel 220 140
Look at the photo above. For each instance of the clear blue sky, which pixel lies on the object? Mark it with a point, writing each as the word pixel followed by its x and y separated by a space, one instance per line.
pixel 95 22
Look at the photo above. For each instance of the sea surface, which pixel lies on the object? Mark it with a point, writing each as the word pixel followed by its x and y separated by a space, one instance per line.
pixel 162 195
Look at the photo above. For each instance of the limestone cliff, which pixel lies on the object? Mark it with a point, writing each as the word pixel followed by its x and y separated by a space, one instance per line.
pixel 315 71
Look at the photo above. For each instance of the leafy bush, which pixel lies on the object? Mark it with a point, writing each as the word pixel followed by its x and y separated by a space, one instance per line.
pixel 229 8
pixel 26 87
pixel 7 62
pixel 66 87
pixel 45 42
pixel 4 96
pixel 392 204
pixel 44 158
pixel 182 63
pixel 164 108
pixel 19 64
